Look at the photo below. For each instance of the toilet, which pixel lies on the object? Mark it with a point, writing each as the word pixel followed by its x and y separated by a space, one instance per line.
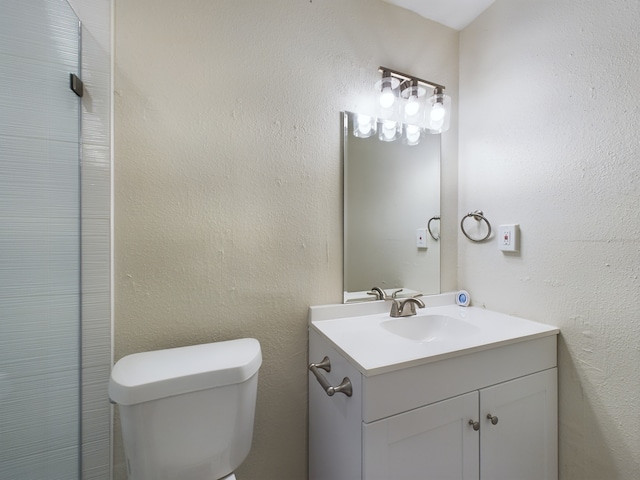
pixel 187 413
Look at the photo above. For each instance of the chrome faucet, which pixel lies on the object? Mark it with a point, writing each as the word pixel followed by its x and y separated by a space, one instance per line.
pixel 398 307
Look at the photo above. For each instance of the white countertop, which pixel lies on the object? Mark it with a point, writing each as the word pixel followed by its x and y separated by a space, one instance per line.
pixel 363 334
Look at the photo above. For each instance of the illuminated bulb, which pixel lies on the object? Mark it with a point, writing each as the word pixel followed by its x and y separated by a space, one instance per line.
pixel 437 113
pixel 412 106
pixel 387 97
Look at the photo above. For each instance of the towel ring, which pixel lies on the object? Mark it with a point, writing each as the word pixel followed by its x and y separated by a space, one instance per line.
pixel 436 237
pixel 477 216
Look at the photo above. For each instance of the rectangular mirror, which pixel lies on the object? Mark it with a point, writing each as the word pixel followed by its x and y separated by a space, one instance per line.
pixel 391 190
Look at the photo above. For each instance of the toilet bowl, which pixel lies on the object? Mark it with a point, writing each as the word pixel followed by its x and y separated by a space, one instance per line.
pixel 187 413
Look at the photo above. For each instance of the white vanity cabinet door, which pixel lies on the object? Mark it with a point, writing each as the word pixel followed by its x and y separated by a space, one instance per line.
pixel 523 444
pixel 335 423
pixel 435 442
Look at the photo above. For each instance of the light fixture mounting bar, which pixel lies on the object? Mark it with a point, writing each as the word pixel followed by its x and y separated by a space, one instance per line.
pixel 404 76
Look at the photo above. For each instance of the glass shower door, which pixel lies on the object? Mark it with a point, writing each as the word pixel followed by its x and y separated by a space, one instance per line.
pixel 39 242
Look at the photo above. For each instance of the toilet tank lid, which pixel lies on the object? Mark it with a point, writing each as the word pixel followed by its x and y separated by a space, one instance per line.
pixel 142 377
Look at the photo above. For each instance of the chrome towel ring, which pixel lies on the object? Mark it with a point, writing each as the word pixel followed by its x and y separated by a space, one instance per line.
pixel 478 216
pixel 436 237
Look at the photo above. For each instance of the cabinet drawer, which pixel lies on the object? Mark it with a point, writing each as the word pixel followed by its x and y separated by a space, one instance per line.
pixel 403 390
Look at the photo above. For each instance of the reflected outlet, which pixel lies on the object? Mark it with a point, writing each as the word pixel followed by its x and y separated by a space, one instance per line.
pixel 421 238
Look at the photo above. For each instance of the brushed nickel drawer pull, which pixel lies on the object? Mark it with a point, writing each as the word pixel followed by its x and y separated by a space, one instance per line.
pixel 345 387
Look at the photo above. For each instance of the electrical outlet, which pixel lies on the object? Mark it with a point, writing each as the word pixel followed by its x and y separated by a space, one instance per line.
pixel 509 238
pixel 421 238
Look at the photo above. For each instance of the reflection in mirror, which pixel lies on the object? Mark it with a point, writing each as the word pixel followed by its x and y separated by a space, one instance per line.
pixel 391 190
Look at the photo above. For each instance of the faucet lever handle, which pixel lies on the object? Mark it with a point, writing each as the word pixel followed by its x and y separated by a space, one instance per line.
pixel 395 293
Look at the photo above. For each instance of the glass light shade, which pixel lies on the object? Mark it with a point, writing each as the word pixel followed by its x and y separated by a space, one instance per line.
pixel 387 98
pixel 414 104
pixel 364 126
pixel 391 113
pixel 438 113
pixel 389 130
pixel 387 91
pixel 412 134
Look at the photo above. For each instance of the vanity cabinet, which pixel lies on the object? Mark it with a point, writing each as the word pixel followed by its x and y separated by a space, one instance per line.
pixel 486 415
pixel 439 441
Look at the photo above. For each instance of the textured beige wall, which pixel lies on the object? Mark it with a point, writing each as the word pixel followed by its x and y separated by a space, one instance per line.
pixel 228 208
pixel 549 95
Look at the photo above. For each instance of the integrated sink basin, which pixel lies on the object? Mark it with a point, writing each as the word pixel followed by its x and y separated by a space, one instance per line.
pixel 377 343
pixel 430 328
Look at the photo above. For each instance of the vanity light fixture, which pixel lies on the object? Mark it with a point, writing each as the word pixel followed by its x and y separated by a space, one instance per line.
pixel 431 114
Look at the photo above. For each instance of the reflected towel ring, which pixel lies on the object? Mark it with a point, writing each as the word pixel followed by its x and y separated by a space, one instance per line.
pixel 436 237
pixel 478 216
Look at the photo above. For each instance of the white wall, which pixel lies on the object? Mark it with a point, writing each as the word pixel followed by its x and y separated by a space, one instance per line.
pixel 228 178
pixel 549 108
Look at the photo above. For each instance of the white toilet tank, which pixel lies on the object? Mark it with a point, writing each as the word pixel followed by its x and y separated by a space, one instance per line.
pixel 187 413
